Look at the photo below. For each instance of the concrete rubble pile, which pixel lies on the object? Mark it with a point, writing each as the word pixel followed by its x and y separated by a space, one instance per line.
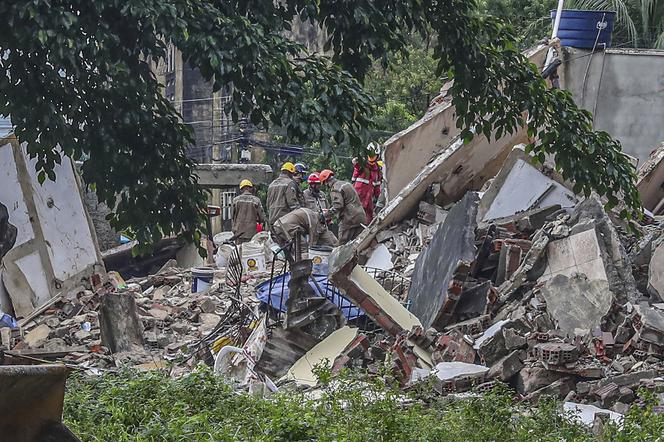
pixel 516 280
pixel 171 320
pixel 530 286
pixel 526 285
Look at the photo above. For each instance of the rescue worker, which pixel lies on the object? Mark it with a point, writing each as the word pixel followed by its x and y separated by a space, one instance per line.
pixel 247 213
pixel 366 181
pixel 300 172
pixel 346 205
pixel 314 199
pixel 282 195
pixel 305 222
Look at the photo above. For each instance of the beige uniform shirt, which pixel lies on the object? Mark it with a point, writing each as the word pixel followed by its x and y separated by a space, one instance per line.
pixel 310 200
pixel 346 204
pixel 247 211
pixel 282 197
pixel 305 221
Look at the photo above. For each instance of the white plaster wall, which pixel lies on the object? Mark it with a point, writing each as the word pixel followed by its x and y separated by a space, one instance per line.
pixel 32 267
pixel 624 88
pixel 65 226
pixel 521 189
pixel 12 196
pixel 55 248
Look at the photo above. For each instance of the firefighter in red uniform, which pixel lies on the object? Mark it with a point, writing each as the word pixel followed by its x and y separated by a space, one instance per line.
pixel 366 181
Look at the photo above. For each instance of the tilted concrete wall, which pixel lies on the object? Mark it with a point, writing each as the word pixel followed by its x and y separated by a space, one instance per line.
pixel 408 152
pixel 55 247
pixel 625 90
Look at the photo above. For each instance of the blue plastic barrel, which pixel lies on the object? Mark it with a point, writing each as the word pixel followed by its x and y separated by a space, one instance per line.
pixel 579 29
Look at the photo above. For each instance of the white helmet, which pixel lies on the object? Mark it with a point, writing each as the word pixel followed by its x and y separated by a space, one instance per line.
pixel 374 147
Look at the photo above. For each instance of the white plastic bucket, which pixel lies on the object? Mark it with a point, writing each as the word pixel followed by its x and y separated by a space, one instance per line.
pixel 319 256
pixel 222 237
pixel 253 258
pixel 201 279
pixel 223 255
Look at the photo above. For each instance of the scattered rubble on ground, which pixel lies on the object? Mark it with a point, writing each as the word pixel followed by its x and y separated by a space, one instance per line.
pixel 526 285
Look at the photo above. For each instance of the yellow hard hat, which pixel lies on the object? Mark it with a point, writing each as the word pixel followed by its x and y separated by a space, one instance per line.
pixel 380 163
pixel 290 167
pixel 246 183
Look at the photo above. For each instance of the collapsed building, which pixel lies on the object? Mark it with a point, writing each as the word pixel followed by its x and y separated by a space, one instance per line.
pixel 483 267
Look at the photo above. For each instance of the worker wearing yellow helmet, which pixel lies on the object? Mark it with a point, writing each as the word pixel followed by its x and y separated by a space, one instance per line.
pixel 283 194
pixel 248 213
pixel 288 167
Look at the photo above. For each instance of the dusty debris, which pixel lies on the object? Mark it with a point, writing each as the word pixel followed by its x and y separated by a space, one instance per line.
pixel 525 284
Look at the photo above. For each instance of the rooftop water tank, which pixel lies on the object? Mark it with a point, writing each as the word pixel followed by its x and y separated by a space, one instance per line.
pixel 580 29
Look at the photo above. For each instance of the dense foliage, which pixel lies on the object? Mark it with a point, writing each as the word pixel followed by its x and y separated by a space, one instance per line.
pixel 77 74
pixel 403 90
pixel 201 407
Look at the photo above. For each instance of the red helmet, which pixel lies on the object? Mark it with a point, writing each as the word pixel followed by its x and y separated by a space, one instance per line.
pixel 314 178
pixel 325 175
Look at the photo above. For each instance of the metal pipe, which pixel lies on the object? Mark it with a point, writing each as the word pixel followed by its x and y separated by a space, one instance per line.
pixel 556 22
pixel 554 33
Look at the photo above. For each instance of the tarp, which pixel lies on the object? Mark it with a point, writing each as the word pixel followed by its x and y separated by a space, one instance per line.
pixel 278 296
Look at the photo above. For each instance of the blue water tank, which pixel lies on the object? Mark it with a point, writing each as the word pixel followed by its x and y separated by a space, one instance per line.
pixel 579 29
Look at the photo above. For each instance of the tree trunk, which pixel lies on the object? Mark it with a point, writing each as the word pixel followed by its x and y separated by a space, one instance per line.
pixel 121 329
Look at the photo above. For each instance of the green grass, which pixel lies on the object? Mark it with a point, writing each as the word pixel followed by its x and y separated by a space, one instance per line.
pixel 135 406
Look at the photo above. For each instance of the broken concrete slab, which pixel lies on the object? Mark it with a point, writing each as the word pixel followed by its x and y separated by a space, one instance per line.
pixel 453 242
pixel 527 221
pixel 520 186
pixel 585 413
pixel 380 258
pixel 576 254
pixel 531 379
pixel 577 304
pixel 368 294
pixel 507 366
pixel 656 272
pixel 325 351
pixel 493 348
pixel 282 349
pixel 590 214
pixel 433 135
pixel 208 321
pixel 650 178
pixel 37 336
pixel 446 371
pixel 489 333
pixel 651 328
pixel 631 380
pixel 513 340
pixel 473 302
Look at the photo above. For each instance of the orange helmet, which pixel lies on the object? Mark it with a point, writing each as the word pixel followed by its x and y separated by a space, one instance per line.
pixel 325 175
pixel 314 178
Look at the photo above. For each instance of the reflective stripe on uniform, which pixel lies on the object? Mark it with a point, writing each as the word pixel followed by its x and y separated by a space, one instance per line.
pixel 362 180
